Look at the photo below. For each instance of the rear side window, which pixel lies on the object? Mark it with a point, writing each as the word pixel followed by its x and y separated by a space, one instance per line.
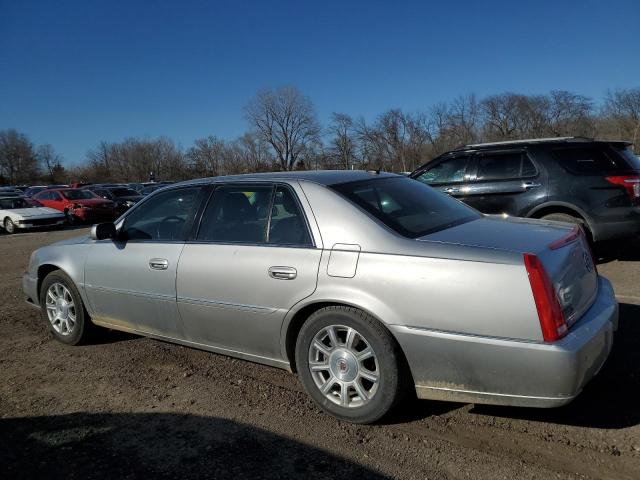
pixel 595 159
pixel 287 226
pixel 505 166
pixel 237 214
pixel 449 171
pixel 410 208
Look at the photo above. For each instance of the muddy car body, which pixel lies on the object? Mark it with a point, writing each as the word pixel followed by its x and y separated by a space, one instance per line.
pixel 361 283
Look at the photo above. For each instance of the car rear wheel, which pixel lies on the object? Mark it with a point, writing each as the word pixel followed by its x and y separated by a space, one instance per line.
pixel 349 364
pixel 566 218
pixel 9 226
pixel 63 310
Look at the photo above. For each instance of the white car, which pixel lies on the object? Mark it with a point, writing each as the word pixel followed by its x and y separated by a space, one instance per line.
pixel 16 213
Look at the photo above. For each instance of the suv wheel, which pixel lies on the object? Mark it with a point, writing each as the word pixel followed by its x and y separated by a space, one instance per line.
pixel 349 364
pixel 566 218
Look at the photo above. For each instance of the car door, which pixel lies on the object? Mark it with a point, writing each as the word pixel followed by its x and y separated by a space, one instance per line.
pixel 131 281
pixel 505 182
pixel 252 260
pixel 450 175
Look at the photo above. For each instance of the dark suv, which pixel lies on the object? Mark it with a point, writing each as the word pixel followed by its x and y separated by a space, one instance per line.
pixel 592 183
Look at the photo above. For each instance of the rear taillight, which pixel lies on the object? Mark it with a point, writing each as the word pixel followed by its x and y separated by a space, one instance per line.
pixel 630 183
pixel 550 314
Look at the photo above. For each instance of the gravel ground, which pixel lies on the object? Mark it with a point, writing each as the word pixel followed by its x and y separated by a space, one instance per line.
pixel 130 407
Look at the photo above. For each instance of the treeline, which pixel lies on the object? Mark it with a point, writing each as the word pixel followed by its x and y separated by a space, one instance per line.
pixel 284 134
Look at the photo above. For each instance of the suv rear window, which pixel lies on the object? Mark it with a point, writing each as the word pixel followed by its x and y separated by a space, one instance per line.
pixel 408 207
pixel 596 159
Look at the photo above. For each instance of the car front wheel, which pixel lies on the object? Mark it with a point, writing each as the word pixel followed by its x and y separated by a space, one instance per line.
pixel 9 226
pixel 349 364
pixel 63 310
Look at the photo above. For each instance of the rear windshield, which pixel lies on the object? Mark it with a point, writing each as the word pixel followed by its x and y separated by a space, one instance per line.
pixel 124 192
pixel 408 207
pixel 77 194
pixel 597 159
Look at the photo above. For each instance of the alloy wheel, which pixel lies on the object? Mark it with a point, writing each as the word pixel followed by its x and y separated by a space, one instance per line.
pixel 344 366
pixel 61 309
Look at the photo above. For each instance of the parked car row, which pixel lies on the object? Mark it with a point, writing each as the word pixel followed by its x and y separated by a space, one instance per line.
pixel 75 203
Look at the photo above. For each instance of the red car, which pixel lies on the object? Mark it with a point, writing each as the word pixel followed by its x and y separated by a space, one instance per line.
pixel 78 205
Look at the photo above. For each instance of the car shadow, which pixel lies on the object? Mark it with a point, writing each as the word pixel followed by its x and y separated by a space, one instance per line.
pixel 610 400
pixel 158 445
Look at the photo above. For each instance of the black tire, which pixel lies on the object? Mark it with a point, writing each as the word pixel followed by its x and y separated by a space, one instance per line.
pixel 71 218
pixel 9 226
pixel 390 366
pixel 566 218
pixel 82 329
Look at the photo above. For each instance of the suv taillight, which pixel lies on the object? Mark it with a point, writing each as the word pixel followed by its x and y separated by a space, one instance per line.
pixel 552 321
pixel 630 183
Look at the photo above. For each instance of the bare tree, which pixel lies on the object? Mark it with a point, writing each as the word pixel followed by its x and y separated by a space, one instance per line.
pixel 343 142
pixel 285 118
pixel 51 162
pixel 18 162
pixel 622 109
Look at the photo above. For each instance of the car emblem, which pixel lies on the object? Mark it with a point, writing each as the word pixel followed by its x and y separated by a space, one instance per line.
pixel 342 365
pixel 588 263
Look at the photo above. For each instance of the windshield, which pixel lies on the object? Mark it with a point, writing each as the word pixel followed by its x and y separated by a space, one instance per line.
pixel 12 203
pixel 124 192
pixel 408 207
pixel 77 194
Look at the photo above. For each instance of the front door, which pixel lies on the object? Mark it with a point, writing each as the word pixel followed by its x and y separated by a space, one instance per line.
pixel 252 260
pixel 130 281
pixel 450 176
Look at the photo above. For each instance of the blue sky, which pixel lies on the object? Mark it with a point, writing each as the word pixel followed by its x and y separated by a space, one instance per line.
pixel 77 72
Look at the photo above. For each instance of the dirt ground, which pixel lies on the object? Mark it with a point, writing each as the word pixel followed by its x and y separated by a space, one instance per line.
pixel 130 407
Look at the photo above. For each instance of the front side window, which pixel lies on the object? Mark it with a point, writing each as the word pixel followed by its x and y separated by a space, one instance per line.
pixel 164 217
pixel 410 208
pixel 505 166
pixel 449 171
pixel 237 214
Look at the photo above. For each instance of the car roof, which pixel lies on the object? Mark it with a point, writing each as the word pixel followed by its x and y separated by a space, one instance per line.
pixel 537 141
pixel 322 177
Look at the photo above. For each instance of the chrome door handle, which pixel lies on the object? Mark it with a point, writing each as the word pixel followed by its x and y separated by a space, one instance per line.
pixel 451 190
pixel 528 185
pixel 158 264
pixel 283 273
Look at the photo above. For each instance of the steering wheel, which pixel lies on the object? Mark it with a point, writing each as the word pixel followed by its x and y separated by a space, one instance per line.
pixel 172 219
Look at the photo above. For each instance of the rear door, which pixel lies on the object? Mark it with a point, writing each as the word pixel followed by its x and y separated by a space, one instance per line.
pixel 450 175
pixel 252 260
pixel 506 182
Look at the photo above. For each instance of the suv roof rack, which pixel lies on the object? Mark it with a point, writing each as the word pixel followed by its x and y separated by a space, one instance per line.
pixel 537 140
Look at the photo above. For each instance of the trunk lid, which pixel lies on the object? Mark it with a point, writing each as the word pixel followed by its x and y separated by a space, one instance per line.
pixel 566 257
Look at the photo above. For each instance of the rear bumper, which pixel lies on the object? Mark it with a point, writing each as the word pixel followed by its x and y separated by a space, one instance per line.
pixel 607 230
pixel 465 368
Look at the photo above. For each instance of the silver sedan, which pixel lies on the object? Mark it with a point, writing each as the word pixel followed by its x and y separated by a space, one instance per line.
pixel 367 285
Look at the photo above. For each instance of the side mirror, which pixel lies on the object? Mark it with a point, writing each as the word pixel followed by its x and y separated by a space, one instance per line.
pixel 102 231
